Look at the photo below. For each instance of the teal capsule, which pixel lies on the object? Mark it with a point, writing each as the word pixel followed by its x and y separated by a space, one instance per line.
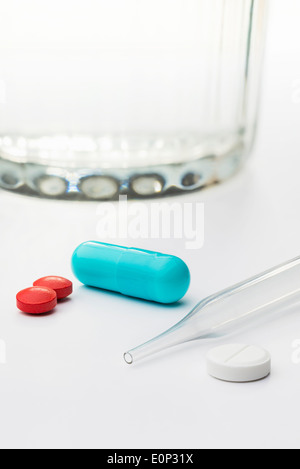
pixel 132 272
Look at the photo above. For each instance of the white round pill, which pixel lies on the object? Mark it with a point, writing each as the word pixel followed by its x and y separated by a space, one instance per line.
pixel 239 363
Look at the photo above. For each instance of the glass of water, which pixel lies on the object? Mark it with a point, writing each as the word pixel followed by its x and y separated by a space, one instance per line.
pixel 140 97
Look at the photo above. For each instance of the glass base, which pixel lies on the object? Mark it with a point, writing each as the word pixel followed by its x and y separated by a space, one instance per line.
pixel 68 167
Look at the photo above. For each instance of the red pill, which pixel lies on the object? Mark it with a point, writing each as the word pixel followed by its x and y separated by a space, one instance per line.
pixel 60 285
pixel 36 300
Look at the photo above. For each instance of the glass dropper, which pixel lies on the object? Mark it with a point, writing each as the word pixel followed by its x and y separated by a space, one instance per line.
pixel 231 310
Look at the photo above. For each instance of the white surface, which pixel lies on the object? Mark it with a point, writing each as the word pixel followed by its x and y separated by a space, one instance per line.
pixel 238 363
pixel 65 383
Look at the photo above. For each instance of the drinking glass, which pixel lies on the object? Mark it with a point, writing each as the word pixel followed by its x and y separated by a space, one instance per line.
pixel 139 97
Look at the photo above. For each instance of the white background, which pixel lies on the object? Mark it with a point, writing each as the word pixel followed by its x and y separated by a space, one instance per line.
pixel 65 383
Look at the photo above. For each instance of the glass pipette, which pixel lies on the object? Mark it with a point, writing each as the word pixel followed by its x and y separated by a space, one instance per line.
pixel 230 310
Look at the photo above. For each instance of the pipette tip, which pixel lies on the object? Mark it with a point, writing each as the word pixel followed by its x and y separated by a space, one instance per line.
pixel 128 358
